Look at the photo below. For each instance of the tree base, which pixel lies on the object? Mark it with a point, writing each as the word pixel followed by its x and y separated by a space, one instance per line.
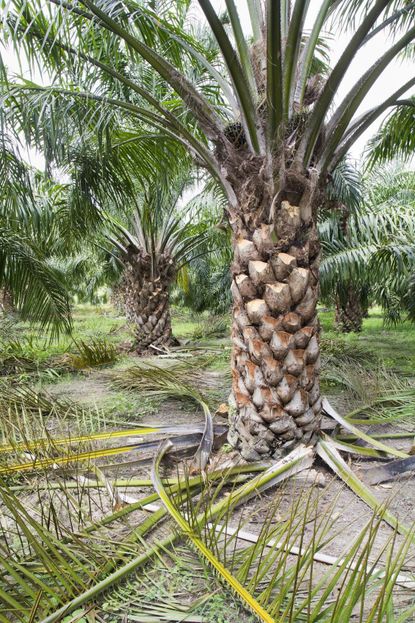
pixel 256 441
pixel 154 347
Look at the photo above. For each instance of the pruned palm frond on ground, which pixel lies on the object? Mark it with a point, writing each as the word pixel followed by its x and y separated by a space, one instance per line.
pixel 87 478
pixel 278 573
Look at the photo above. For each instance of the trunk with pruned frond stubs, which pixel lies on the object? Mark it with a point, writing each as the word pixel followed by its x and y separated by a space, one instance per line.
pixel 145 285
pixel 350 311
pixel 276 396
pixel 6 301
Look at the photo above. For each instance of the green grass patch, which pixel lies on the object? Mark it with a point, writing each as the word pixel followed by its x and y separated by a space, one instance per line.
pixel 394 346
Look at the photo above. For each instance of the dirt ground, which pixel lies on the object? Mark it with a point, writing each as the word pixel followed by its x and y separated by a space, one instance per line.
pixel 351 512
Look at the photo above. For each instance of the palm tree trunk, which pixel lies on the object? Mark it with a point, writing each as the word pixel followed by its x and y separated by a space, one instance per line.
pixel 146 299
pixel 276 394
pixel 349 311
pixel 6 301
pixel 117 297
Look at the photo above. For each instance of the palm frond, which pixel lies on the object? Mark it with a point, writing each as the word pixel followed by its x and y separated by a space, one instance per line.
pixel 395 138
pixel 96 352
pixel 38 290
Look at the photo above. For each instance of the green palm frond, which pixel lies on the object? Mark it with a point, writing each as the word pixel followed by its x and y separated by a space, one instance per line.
pixel 38 289
pixel 395 138
pixel 158 69
pixel 346 185
pixel 373 249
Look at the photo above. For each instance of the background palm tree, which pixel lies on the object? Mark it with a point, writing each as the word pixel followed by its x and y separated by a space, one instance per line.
pixel 345 192
pixel 157 240
pixel 375 256
pixel 258 114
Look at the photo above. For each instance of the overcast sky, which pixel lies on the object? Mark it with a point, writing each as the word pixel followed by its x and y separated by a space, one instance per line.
pixel 395 75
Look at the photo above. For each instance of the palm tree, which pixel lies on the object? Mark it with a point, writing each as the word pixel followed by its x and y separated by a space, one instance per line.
pixel 345 192
pixel 258 113
pixel 375 256
pixel 158 239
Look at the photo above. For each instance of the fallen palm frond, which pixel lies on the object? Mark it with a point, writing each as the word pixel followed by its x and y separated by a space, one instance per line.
pixel 382 473
pixel 167 609
pixel 403 580
pixel 225 477
pixel 49 452
pixel 394 404
pixel 144 429
pixel 30 398
pixel 381 396
pixel 267 571
pixel 351 448
pixel 301 460
pixel 276 576
pixel 56 571
pixel 361 383
pixel 187 529
pixel 27 354
pixel 18 354
pixel 21 407
pixel 173 382
pixel 327 451
pixel 33 559
pixel 95 352
pixel 238 473
pixel 347 425
pixel 200 441
pixel 387 435
pixel 138 377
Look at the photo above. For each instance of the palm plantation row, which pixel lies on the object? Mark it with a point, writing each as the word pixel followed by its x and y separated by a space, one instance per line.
pixel 259 132
pixel 207 161
pixel 367 248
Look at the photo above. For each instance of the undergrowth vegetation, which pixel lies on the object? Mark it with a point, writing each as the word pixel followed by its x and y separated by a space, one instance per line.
pixel 83 536
pixel 96 352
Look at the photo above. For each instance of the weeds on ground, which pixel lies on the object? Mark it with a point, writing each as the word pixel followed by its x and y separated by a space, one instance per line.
pixel 93 353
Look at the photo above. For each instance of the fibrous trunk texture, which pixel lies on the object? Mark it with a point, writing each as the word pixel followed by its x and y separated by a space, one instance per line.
pixel 145 285
pixel 6 301
pixel 118 298
pixel 276 396
pixel 349 312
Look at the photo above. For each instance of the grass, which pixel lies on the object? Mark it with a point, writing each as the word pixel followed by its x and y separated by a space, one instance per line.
pixel 30 357
pixel 46 364
pixel 50 365
pixel 394 346
pixel 184 322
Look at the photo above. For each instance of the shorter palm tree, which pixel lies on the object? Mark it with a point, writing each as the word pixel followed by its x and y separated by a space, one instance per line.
pixel 156 239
